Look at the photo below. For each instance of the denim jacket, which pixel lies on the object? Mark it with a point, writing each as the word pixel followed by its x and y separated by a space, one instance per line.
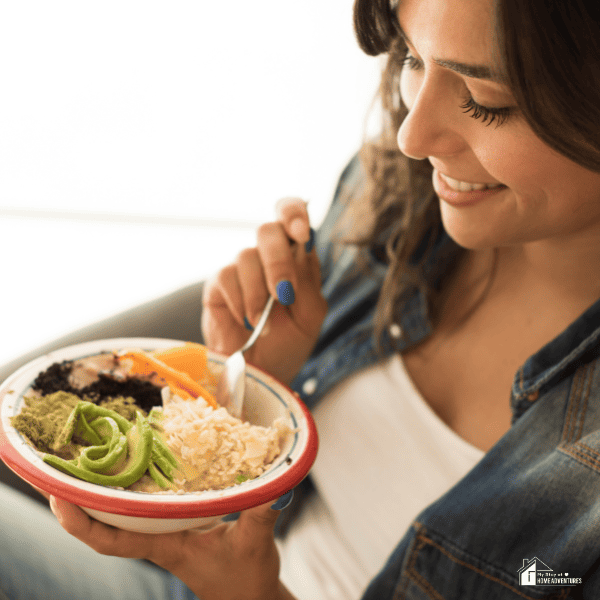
pixel 525 521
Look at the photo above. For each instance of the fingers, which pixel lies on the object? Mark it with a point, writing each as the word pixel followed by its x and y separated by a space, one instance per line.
pixel 241 287
pixel 284 262
pixel 293 215
pixel 283 265
pixel 223 312
pixel 251 276
pixel 273 267
pixel 101 538
pixel 280 262
pixel 256 525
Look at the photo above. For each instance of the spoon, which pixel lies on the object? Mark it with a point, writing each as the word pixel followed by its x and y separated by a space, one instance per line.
pixel 230 387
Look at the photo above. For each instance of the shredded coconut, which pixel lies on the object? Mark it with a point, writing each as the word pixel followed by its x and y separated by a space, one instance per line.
pixel 216 449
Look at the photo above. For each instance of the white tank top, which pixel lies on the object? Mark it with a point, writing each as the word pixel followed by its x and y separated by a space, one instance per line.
pixel 384 456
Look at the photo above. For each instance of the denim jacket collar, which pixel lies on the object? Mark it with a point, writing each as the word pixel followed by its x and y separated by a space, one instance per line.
pixel 576 345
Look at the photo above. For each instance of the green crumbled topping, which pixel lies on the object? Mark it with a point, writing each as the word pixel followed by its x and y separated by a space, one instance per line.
pixel 41 420
pixel 241 478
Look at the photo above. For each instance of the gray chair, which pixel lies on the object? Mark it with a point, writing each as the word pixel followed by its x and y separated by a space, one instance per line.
pixel 174 316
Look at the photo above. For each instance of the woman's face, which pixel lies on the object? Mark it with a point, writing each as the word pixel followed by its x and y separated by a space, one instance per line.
pixel 467 125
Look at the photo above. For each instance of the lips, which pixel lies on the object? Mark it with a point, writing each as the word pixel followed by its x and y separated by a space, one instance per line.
pixel 463 194
pixel 465 186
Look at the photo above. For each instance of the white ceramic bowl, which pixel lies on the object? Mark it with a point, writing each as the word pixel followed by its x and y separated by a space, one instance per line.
pixel 266 399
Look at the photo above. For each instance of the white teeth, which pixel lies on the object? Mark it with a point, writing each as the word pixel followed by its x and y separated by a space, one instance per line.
pixel 463 186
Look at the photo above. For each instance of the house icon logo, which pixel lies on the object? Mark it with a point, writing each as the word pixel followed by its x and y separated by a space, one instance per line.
pixel 528 573
pixel 536 572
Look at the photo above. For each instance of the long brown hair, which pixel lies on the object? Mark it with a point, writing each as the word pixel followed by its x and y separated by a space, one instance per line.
pixel 549 53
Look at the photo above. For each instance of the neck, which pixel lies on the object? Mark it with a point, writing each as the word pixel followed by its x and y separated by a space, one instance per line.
pixel 567 275
pixel 542 286
pixel 539 282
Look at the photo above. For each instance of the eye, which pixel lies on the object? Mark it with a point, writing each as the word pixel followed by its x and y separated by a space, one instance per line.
pixel 486 114
pixel 411 62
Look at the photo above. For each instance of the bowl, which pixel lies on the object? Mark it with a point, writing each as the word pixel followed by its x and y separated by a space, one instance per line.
pixel 266 400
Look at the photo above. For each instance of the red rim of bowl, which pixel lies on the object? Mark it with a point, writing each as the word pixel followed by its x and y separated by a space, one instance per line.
pixel 138 507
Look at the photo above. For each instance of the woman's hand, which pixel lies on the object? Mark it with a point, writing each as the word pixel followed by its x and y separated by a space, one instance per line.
pixel 233 561
pixel 278 266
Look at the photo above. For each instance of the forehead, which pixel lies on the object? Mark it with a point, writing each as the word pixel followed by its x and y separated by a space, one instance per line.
pixel 460 30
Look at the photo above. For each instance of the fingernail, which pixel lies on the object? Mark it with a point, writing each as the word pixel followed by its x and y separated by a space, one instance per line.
pixel 285 292
pixel 247 324
pixel 311 242
pixel 284 501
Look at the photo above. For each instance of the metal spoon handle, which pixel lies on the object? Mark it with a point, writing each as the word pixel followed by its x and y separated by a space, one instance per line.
pixel 259 325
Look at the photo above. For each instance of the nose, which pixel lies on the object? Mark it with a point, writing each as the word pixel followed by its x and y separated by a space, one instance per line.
pixel 430 128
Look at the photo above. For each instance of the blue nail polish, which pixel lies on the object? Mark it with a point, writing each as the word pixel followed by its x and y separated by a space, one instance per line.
pixel 285 293
pixel 311 242
pixel 247 324
pixel 284 501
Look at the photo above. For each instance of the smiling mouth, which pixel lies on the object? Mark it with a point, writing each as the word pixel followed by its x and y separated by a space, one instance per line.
pixel 463 194
pixel 465 186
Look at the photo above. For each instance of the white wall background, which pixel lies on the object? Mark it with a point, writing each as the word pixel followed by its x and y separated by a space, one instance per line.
pixel 164 130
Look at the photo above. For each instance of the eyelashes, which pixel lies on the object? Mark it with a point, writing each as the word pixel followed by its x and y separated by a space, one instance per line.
pixel 411 62
pixel 486 114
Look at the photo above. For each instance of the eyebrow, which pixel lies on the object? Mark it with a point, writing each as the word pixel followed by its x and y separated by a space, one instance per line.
pixel 474 71
pixel 468 70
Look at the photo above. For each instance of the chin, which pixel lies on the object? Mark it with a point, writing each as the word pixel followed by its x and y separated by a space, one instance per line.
pixel 471 233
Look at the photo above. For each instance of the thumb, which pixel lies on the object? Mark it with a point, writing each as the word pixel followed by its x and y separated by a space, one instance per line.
pixel 311 307
pixel 259 522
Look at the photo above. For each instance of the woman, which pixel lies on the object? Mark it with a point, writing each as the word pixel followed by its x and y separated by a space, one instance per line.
pixel 453 357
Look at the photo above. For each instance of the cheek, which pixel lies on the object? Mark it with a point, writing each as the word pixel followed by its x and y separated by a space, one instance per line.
pixel 513 155
pixel 508 162
pixel 540 181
